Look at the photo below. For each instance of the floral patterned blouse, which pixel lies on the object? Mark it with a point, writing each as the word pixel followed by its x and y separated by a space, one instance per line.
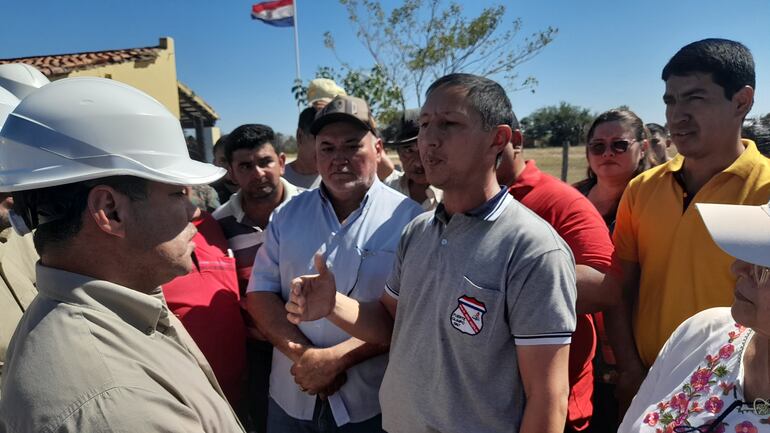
pixel 697 375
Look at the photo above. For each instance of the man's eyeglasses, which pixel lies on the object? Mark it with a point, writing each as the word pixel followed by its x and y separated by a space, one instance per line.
pixel 617 146
pixel 760 407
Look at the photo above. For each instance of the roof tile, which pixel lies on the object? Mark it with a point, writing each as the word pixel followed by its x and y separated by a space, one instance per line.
pixel 60 64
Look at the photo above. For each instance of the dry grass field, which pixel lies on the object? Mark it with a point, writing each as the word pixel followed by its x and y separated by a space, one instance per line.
pixel 548 159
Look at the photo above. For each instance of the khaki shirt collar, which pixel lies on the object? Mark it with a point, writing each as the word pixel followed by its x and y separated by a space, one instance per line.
pixel 142 311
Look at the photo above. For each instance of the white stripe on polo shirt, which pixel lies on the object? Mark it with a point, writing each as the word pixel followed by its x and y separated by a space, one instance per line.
pixel 538 340
pixel 391 292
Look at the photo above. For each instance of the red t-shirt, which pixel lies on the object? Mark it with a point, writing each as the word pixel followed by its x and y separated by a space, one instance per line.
pixel 207 302
pixel 578 222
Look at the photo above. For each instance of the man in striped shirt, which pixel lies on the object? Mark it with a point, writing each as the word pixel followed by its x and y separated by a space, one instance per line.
pixel 256 165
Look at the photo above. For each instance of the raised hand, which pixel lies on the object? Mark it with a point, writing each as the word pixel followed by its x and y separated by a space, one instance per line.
pixel 312 297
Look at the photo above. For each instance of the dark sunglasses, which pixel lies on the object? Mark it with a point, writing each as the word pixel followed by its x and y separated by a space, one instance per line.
pixel 618 146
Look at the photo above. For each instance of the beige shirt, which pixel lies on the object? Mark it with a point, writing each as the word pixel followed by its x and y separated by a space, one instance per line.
pixel 17 283
pixel 398 181
pixel 92 356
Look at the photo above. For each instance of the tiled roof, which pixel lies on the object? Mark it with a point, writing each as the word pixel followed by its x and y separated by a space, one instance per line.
pixel 61 64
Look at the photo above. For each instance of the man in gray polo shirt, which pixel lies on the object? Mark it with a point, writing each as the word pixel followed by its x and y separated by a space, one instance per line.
pixel 482 290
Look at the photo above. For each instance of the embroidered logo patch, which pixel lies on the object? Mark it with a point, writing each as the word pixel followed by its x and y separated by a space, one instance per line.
pixel 468 317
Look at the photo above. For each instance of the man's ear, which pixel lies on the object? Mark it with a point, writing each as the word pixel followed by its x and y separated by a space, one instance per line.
pixel 502 137
pixel 282 162
pixel 108 209
pixel 379 149
pixel 744 100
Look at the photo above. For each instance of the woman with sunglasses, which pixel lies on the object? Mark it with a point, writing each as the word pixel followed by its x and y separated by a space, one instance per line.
pixel 713 374
pixel 616 150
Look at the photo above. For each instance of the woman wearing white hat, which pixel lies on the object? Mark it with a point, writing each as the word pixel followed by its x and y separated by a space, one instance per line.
pixel 713 374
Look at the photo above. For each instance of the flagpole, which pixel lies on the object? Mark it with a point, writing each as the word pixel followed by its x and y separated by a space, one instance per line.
pixel 296 44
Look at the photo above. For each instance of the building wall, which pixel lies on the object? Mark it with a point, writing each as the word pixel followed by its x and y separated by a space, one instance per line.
pixel 156 78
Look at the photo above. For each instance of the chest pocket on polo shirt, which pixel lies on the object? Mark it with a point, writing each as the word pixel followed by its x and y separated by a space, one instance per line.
pixel 373 269
pixel 474 309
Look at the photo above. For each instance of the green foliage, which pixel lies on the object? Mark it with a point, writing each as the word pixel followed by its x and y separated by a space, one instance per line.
pixel 421 40
pixel 286 143
pixel 553 125
pixel 384 99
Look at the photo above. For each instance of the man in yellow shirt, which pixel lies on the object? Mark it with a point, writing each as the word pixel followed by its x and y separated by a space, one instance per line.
pixel 672 269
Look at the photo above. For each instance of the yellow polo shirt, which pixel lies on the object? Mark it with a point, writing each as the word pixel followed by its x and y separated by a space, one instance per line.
pixel 682 270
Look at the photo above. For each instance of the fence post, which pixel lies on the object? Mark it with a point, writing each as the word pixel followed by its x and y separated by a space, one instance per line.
pixel 564 160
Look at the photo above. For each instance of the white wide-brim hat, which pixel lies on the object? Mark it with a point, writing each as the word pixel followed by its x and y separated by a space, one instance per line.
pixel 743 231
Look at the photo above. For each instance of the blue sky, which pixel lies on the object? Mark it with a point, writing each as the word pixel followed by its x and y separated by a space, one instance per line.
pixel 606 53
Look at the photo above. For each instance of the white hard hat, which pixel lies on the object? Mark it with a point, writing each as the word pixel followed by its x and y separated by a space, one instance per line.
pixel 78 129
pixel 21 79
pixel 7 103
pixel 742 231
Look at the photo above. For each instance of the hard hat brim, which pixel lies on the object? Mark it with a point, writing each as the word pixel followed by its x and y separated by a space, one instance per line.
pixel 56 159
pixel 51 169
pixel 741 231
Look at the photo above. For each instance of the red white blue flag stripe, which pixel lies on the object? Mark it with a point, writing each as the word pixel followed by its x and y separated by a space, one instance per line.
pixel 472 303
pixel 279 13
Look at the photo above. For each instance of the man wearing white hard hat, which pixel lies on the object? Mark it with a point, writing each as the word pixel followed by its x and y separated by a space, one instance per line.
pixel 17 258
pixel 21 79
pixel 101 170
pixel 8 101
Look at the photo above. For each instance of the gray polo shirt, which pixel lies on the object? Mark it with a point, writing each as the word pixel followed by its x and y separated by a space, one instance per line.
pixel 471 289
pixel 93 356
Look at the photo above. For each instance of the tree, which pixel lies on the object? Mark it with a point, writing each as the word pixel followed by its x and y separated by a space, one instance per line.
pixel 758 130
pixel 286 143
pixel 553 125
pixel 422 40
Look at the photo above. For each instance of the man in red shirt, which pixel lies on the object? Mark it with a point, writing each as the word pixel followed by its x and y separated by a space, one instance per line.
pixel 580 225
pixel 206 301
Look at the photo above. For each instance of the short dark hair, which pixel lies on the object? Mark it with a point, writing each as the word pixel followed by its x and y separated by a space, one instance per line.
pixel 655 128
pixel 485 96
pixel 57 212
pixel 250 136
pixel 220 144
pixel 730 64
pixel 306 118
